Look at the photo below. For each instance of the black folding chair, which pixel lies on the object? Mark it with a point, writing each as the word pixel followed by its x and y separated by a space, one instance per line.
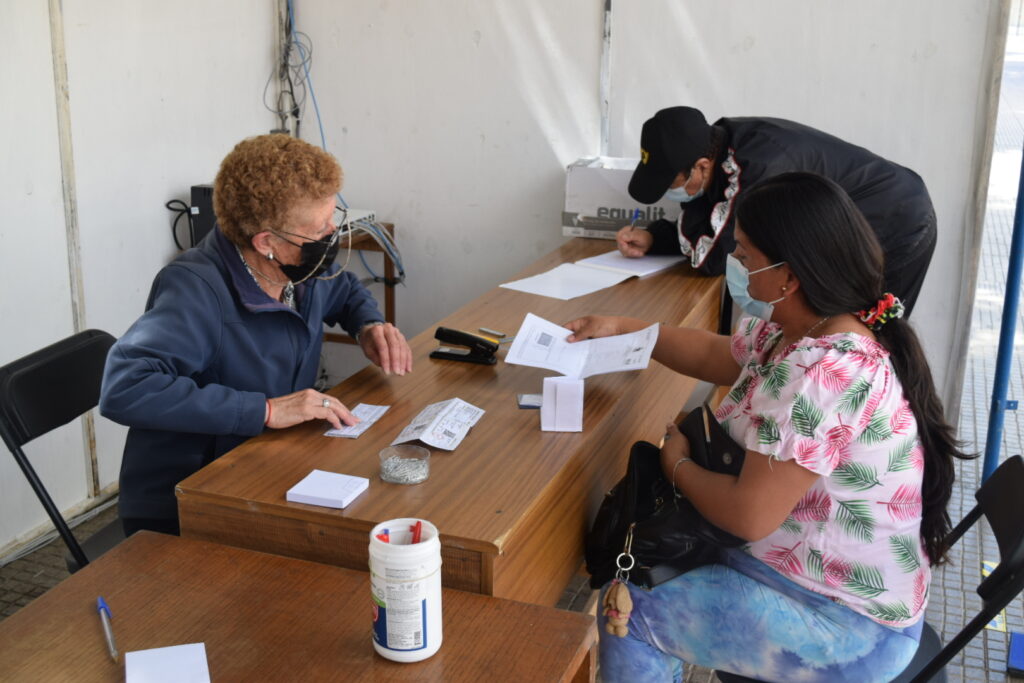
pixel 43 391
pixel 1001 502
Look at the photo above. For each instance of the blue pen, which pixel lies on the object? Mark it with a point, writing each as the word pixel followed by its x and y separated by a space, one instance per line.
pixel 108 632
pixel 636 215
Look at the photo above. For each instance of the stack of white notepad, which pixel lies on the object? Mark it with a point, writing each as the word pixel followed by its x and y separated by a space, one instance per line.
pixel 328 489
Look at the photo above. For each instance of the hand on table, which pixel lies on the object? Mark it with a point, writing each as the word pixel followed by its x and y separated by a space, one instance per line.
pixel 633 242
pixel 386 348
pixel 306 405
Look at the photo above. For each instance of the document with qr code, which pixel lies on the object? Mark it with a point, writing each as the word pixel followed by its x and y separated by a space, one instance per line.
pixel 542 344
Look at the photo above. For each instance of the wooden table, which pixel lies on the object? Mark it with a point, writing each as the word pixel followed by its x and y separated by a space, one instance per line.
pixel 270 618
pixel 512 503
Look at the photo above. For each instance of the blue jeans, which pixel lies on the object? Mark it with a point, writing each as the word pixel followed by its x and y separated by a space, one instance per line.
pixel 743 617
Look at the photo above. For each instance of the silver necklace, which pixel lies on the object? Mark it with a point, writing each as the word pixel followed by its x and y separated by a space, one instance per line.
pixel 778 344
pixel 288 291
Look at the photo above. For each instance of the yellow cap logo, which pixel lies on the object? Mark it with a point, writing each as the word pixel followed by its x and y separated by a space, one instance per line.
pixel 644 156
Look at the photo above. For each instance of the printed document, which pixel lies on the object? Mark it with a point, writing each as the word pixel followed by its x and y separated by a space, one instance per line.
pixel 570 280
pixel 542 344
pixel 367 415
pixel 442 425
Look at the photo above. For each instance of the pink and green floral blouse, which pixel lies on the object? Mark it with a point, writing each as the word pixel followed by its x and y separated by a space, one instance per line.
pixel 836 407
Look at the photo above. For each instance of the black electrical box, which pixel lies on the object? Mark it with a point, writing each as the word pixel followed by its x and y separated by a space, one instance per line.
pixel 203 219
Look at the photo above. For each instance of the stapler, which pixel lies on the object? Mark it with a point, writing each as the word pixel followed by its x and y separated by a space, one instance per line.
pixel 474 348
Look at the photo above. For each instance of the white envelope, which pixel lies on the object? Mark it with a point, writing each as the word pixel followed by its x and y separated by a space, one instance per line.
pixel 562 409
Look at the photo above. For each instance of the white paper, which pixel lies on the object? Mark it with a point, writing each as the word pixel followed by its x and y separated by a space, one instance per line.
pixel 442 425
pixel 542 344
pixel 177 664
pixel 641 267
pixel 568 281
pixel 562 409
pixel 328 489
pixel 367 414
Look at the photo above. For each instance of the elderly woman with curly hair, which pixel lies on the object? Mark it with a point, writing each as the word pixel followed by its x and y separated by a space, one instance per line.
pixel 229 344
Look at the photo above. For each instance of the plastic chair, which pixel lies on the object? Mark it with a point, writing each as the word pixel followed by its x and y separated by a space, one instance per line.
pixel 42 391
pixel 1001 503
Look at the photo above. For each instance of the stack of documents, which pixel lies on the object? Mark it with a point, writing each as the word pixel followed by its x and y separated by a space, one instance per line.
pixel 588 275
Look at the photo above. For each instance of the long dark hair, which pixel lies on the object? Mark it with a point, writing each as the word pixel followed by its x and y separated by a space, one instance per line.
pixel 812 224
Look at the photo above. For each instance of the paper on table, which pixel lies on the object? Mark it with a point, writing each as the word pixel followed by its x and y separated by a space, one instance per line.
pixel 367 414
pixel 328 489
pixel 442 425
pixel 570 280
pixel 177 664
pixel 567 281
pixel 541 344
pixel 562 408
pixel 641 267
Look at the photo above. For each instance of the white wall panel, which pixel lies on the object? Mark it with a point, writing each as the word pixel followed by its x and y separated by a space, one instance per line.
pixel 455 120
pixel 35 303
pixel 907 80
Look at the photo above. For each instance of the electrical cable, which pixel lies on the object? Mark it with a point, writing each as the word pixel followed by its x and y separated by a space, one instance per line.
pixel 183 210
pixel 305 79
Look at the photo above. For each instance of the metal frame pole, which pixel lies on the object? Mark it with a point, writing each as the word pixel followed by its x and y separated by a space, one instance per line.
pixel 1004 359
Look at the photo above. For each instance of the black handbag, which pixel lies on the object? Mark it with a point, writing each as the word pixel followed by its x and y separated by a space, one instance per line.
pixel 660 534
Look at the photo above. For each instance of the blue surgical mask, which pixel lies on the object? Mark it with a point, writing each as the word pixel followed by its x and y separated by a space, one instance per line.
pixel 679 194
pixel 737 277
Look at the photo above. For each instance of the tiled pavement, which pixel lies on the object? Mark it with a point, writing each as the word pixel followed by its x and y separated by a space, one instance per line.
pixel 953 591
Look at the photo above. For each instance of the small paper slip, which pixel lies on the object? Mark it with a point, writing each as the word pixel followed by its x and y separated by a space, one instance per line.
pixel 177 664
pixel 367 415
pixel 442 425
pixel 570 280
pixel 541 344
pixel 328 489
pixel 562 409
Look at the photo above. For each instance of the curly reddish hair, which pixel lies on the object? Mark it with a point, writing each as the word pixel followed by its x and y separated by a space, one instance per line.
pixel 263 178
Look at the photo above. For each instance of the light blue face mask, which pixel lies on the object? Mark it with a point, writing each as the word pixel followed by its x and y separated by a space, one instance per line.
pixel 737 277
pixel 679 194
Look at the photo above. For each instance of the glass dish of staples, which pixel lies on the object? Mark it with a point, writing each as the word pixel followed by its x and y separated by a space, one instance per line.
pixel 404 464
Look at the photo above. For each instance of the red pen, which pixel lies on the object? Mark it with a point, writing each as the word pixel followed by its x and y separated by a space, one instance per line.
pixel 416 530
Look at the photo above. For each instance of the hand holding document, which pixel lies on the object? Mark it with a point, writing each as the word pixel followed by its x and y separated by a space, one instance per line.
pixel 542 344
pixel 367 414
pixel 442 425
pixel 570 280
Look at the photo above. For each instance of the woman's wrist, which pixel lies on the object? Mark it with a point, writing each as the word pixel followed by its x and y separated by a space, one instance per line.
pixel 675 467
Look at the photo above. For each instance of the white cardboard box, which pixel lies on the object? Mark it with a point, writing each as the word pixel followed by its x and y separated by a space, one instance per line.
pixel 597 201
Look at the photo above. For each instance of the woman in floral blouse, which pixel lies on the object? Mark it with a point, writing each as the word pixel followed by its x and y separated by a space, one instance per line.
pixel 848 470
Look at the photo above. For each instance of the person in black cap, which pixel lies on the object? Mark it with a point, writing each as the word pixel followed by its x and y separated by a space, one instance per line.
pixel 705 167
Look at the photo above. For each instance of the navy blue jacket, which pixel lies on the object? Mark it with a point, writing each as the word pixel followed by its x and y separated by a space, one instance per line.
pixel 191 377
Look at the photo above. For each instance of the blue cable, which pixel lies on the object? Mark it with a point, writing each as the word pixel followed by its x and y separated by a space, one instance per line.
pixel 323 145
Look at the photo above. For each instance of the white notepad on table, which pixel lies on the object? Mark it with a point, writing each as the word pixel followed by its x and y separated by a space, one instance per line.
pixel 328 489
pixel 570 280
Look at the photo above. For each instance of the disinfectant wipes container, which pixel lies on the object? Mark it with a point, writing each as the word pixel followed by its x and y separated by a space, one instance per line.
pixel 405 581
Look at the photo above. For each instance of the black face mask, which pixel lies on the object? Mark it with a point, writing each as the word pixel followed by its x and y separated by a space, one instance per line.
pixel 317 256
